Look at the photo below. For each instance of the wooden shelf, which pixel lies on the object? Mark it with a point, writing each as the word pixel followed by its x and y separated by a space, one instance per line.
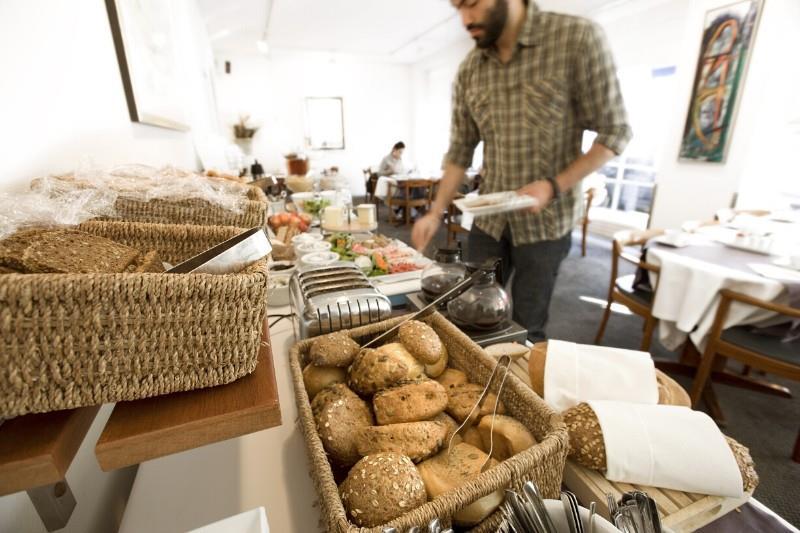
pixel 37 450
pixel 146 429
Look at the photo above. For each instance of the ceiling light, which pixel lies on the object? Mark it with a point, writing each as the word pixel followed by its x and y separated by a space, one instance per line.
pixel 262 46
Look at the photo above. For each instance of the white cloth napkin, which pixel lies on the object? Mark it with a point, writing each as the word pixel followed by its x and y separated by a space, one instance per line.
pixel 667 446
pixel 576 373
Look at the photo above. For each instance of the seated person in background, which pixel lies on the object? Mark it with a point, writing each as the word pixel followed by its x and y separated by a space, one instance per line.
pixel 393 163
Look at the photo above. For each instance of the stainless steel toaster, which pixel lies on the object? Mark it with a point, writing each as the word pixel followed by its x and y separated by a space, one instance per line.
pixel 333 297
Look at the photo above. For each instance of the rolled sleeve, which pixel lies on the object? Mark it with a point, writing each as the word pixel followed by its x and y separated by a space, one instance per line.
pixel 464 133
pixel 601 107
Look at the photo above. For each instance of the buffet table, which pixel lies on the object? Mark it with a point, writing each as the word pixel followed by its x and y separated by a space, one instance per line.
pixel 270 469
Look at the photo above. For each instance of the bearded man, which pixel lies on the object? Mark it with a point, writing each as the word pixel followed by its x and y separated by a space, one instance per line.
pixel 529 89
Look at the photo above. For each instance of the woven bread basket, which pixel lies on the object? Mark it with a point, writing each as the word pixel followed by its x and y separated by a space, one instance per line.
pixel 542 463
pixel 71 340
pixel 195 211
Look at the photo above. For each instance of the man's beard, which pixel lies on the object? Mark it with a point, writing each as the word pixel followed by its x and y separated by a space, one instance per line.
pixel 493 25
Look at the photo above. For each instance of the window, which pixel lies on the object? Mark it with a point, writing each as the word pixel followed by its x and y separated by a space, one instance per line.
pixel 324 123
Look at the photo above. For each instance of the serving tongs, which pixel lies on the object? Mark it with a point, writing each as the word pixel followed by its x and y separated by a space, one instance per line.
pixel 434 526
pixel 453 292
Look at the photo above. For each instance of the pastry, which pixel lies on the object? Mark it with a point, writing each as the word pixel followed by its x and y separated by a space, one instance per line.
pixel 410 402
pixel 381 487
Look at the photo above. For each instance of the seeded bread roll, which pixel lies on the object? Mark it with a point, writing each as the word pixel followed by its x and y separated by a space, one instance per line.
pixel 587 446
pixel 510 436
pixel 444 472
pixel 339 413
pixel 381 487
pixel 452 377
pixel 334 349
pixel 417 440
pixel 411 402
pixel 375 370
pixel 421 340
pixel 436 369
pixel 462 398
pixel 317 378
pixel 473 437
pixel 451 425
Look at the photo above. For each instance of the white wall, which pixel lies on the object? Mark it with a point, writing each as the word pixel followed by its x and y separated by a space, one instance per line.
pixel 271 89
pixel 658 33
pixel 61 95
pixel 62 101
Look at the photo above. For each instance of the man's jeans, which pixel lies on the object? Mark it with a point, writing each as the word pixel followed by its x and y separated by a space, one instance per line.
pixel 534 268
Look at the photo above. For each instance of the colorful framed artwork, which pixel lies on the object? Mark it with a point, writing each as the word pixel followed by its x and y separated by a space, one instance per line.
pixel 728 37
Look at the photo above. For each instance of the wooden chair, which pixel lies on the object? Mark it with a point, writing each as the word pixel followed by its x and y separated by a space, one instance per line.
pixel 762 352
pixel 406 199
pixel 452 224
pixel 621 289
pixel 589 195
pixel 371 181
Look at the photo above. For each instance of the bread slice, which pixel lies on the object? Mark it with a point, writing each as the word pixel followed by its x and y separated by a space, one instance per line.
pixel 417 440
pixel 381 487
pixel 148 263
pixel 411 402
pixel 448 471
pixel 12 248
pixel 510 436
pixel 69 251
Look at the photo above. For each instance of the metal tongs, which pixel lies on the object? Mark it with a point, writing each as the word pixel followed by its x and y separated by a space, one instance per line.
pixel 434 526
pixel 460 287
pixel 636 512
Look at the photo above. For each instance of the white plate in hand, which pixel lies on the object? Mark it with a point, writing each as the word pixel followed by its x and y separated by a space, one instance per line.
pixel 494 203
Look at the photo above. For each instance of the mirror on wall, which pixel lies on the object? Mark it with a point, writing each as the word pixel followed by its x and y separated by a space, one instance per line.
pixel 325 123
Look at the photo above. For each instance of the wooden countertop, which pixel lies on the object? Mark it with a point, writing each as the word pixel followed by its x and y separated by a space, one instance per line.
pixel 38 449
pixel 142 430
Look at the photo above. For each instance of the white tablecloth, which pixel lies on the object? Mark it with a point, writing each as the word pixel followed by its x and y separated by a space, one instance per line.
pixel 688 289
pixel 382 185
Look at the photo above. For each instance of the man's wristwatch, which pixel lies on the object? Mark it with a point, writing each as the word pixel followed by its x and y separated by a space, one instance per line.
pixel 555 187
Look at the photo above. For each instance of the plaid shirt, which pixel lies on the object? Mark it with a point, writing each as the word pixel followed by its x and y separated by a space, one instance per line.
pixel 531 114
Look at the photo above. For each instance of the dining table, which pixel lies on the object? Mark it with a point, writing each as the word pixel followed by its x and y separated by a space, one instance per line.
pixel 382 185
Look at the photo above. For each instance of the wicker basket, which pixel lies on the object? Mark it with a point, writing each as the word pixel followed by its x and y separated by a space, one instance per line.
pixel 195 211
pixel 543 463
pixel 70 340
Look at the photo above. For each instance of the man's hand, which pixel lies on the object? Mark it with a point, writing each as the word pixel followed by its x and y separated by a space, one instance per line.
pixel 424 230
pixel 542 190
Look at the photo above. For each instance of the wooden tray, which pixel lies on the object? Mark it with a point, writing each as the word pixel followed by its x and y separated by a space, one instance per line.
pixel 154 427
pixel 680 511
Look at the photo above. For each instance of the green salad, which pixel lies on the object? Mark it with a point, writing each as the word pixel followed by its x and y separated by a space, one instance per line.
pixel 315 206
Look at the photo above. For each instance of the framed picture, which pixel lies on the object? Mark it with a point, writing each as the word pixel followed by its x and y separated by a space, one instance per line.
pixel 325 123
pixel 144 39
pixel 728 36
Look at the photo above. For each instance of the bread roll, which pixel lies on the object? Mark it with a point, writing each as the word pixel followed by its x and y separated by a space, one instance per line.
pixel 462 398
pixel 421 341
pixel 510 436
pixel 472 437
pixel 375 370
pixel 411 402
pixel 316 378
pixel 334 349
pixel 436 369
pixel 444 472
pixel 339 413
pixel 452 377
pixel 417 440
pixel 381 487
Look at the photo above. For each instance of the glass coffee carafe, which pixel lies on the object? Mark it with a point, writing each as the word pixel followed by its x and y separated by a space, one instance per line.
pixel 485 306
pixel 444 274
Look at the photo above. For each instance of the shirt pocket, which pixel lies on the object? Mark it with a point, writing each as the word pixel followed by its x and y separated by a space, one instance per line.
pixel 545 105
pixel 481 110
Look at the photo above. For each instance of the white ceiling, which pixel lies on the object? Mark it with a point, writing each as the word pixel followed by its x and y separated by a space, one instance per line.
pixel 385 30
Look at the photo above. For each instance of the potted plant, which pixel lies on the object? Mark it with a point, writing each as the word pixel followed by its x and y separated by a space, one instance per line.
pixel 243 134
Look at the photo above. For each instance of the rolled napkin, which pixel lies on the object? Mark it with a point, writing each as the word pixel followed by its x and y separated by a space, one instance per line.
pixel 661 446
pixel 574 373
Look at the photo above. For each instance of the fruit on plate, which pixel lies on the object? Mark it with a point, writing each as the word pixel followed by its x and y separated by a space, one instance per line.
pixel 301 221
